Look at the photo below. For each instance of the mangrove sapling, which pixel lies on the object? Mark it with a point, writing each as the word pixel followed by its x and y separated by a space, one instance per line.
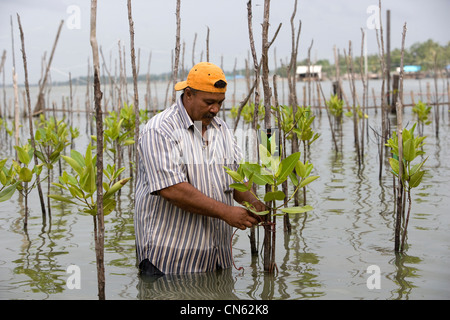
pixel 24 175
pixel 305 133
pixel 272 172
pixel 51 139
pixel 83 189
pixel 82 185
pixel 247 113
pixel 422 110
pixel 8 184
pixel 411 175
pixel 336 107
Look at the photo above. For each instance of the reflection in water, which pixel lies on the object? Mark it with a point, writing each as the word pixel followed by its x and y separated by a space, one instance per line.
pixel 402 273
pixel 193 286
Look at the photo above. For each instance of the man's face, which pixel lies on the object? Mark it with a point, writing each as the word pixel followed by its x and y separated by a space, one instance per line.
pixel 203 106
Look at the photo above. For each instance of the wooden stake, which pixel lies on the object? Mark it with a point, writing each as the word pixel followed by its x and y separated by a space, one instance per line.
pixel 39 107
pixel 400 194
pixel 135 87
pixel 99 219
pixel 30 120
pixel 177 52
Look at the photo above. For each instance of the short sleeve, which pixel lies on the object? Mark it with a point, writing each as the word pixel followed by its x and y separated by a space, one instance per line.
pixel 160 158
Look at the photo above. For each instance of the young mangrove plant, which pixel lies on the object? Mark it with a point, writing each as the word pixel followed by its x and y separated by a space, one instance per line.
pixel 82 185
pixel 305 133
pixel 336 107
pixel 408 173
pixel 298 127
pixel 422 111
pixel 51 138
pixel 24 175
pixel 247 113
pixel 8 184
pixel 273 171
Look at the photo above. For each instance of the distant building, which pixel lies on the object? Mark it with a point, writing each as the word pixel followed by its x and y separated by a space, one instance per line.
pixel 411 71
pixel 314 73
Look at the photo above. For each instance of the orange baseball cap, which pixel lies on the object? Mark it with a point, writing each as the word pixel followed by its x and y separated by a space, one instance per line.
pixel 204 76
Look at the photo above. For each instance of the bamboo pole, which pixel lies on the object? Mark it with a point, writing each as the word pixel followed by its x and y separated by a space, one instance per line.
pixel 177 51
pixel 292 82
pixel 436 100
pixel 135 87
pixel 30 116
pixel 38 108
pixel 99 219
pixel 384 122
pixel 207 44
pixel 364 82
pixel 400 200
pixel 2 70
pixel 269 236
pixel 256 68
pixel 193 49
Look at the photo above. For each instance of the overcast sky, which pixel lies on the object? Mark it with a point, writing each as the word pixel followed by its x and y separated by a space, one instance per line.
pixel 328 23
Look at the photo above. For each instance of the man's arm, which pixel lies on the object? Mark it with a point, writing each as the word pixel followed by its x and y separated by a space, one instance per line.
pixel 187 197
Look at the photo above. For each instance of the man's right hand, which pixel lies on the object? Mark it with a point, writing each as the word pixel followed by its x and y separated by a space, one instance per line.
pixel 241 218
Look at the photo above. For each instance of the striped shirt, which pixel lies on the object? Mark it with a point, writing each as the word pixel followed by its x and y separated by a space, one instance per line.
pixel 172 150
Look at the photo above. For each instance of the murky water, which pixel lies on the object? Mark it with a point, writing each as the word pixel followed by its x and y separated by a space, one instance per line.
pixel 326 256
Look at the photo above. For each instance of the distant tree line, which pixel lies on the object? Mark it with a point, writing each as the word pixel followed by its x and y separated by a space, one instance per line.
pixel 424 54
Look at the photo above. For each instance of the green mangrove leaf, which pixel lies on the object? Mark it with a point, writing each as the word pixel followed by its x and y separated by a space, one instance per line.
pixel 8 192
pixel 417 167
pixel 115 187
pixel 297 209
pixel 287 165
pixel 108 206
pixel 88 156
pixel 236 176
pixel 409 150
pixel 300 169
pixel 264 155
pixel 394 165
pixel 260 175
pixel 239 187
pixel 275 195
pixel 76 192
pixel 22 155
pixel 416 179
pixel 74 164
pixel 78 157
pixel 25 174
pixel 60 198
pixel 308 181
pixel 293 178
pixel 251 208
pixel 88 180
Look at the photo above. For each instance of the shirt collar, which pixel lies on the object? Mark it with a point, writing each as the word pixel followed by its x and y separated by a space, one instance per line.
pixel 185 118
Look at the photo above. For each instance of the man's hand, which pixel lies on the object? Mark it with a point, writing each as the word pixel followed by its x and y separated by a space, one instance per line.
pixel 241 218
pixel 188 198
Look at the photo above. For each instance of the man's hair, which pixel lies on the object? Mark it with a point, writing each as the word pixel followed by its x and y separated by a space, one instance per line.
pixel 193 91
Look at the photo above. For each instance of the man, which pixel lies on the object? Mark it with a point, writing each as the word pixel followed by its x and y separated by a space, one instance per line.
pixel 184 208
